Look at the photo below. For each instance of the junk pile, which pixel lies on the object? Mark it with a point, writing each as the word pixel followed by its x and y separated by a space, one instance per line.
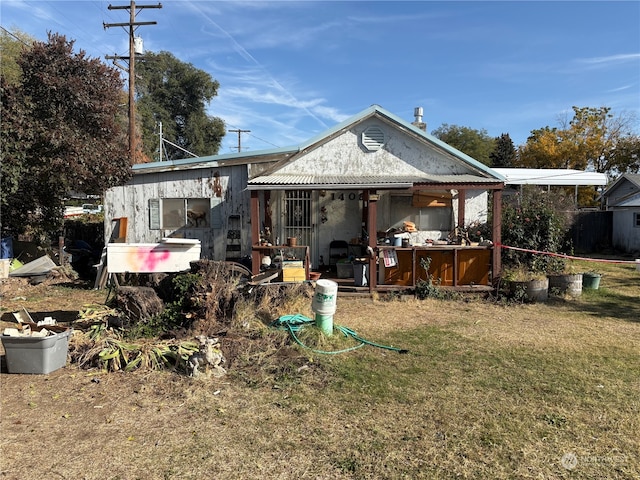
pixel 31 329
pixel 35 347
pixel 207 360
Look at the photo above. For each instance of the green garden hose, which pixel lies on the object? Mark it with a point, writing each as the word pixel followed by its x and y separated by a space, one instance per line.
pixel 295 323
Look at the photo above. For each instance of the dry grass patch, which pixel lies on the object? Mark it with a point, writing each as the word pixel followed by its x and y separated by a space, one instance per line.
pixel 487 390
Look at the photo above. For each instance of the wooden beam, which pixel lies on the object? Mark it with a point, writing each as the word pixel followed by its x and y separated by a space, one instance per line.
pixel 371 198
pixel 462 200
pixel 497 236
pixel 255 231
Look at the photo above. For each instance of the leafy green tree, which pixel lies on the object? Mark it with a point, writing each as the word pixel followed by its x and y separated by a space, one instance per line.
pixel 593 139
pixel 626 154
pixel 504 153
pixel 177 94
pixel 475 143
pixel 12 43
pixel 60 134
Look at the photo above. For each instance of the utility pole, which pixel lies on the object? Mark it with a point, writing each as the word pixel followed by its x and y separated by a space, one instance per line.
pixel 239 132
pixel 132 62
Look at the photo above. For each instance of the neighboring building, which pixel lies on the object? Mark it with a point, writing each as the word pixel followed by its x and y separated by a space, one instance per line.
pixel 622 198
pixel 553 177
pixel 370 174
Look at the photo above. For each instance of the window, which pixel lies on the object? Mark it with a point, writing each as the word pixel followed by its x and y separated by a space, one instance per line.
pixel 429 218
pixel 636 220
pixel 174 213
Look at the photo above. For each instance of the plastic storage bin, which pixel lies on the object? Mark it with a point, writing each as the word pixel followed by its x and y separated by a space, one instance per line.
pixel 36 354
pixel 344 270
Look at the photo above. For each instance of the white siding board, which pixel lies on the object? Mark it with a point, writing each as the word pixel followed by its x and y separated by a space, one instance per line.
pixel 132 201
pixel 625 236
pixel 401 154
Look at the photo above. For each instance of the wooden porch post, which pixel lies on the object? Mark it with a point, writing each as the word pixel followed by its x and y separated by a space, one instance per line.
pixel 371 197
pixel 497 236
pixel 255 231
pixel 462 200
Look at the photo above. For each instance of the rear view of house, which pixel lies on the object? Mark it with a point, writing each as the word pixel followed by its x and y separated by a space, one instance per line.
pixel 343 194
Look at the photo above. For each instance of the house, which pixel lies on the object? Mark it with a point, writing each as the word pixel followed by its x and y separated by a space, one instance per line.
pixel 340 195
pixel 622 198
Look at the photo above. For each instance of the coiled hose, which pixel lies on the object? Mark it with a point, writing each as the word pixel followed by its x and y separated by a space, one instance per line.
pixel 295 323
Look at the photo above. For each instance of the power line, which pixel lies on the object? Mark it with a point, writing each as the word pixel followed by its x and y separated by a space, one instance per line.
pixel 256 137
pixel 16 37
pixel 239 131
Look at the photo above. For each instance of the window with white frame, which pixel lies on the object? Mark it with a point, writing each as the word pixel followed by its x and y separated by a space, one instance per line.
pixel 636 220
pixel 174 213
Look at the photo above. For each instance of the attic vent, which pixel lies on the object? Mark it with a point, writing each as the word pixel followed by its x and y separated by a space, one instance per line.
pixel 373 138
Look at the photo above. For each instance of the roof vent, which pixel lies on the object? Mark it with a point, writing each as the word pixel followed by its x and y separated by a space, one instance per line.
pixel 417 113
pixel 373 138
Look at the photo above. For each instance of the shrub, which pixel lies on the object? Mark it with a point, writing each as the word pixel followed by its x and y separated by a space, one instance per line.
pixel 533 220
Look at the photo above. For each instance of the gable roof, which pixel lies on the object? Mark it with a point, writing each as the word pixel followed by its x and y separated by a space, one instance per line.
pixel 280 157
pixel 376 110
pixel 276 177
pixel 632 178
pixel 630 201
pixel 624 192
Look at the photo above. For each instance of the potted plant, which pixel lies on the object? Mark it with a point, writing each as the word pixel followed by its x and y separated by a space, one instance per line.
pixel 591 280
pixel 534 232
pixel 526 284
pixel 565 281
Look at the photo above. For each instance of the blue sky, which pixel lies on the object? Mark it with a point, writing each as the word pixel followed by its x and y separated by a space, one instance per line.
pixel 290 70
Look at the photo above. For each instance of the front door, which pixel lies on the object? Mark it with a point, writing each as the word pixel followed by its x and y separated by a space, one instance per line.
pixel 298 217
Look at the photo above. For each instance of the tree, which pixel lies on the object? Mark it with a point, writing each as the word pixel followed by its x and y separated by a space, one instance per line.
pixel 12 44
pixel 475 143
pixel 60 134
pixel 504 153
pixel 593 139
pixel 176 94
pixel 543 149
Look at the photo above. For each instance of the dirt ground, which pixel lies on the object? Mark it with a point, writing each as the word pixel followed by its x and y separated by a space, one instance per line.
pixel 87 424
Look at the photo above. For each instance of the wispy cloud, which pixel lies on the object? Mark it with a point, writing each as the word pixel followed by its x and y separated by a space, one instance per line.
pixel 281 95
pixel 621 89
pixel 620 58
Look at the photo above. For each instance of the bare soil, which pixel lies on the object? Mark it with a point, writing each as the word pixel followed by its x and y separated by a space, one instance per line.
pixel 276 420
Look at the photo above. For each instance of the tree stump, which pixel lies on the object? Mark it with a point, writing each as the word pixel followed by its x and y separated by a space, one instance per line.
pixel 138 304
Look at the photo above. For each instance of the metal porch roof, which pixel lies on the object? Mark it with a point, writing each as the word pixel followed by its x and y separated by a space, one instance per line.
pixel 279 181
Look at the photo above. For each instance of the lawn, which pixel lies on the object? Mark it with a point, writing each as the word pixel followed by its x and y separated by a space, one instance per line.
pixel 487 389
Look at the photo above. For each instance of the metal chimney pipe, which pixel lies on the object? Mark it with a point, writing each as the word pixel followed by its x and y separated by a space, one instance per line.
pixel 417 112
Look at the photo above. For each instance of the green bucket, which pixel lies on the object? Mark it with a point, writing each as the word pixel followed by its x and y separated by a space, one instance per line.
pixel 325 323
pixel 591 280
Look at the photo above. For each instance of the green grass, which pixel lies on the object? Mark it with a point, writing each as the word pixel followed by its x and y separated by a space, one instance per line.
pixel 457 407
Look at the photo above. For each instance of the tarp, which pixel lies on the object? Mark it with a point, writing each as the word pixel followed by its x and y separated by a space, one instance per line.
pixel 39 266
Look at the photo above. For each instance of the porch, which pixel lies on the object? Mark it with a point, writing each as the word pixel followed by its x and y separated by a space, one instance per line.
pixel 457 267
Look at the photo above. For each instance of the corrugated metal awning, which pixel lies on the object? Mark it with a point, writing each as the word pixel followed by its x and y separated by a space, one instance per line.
pixel 294 181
